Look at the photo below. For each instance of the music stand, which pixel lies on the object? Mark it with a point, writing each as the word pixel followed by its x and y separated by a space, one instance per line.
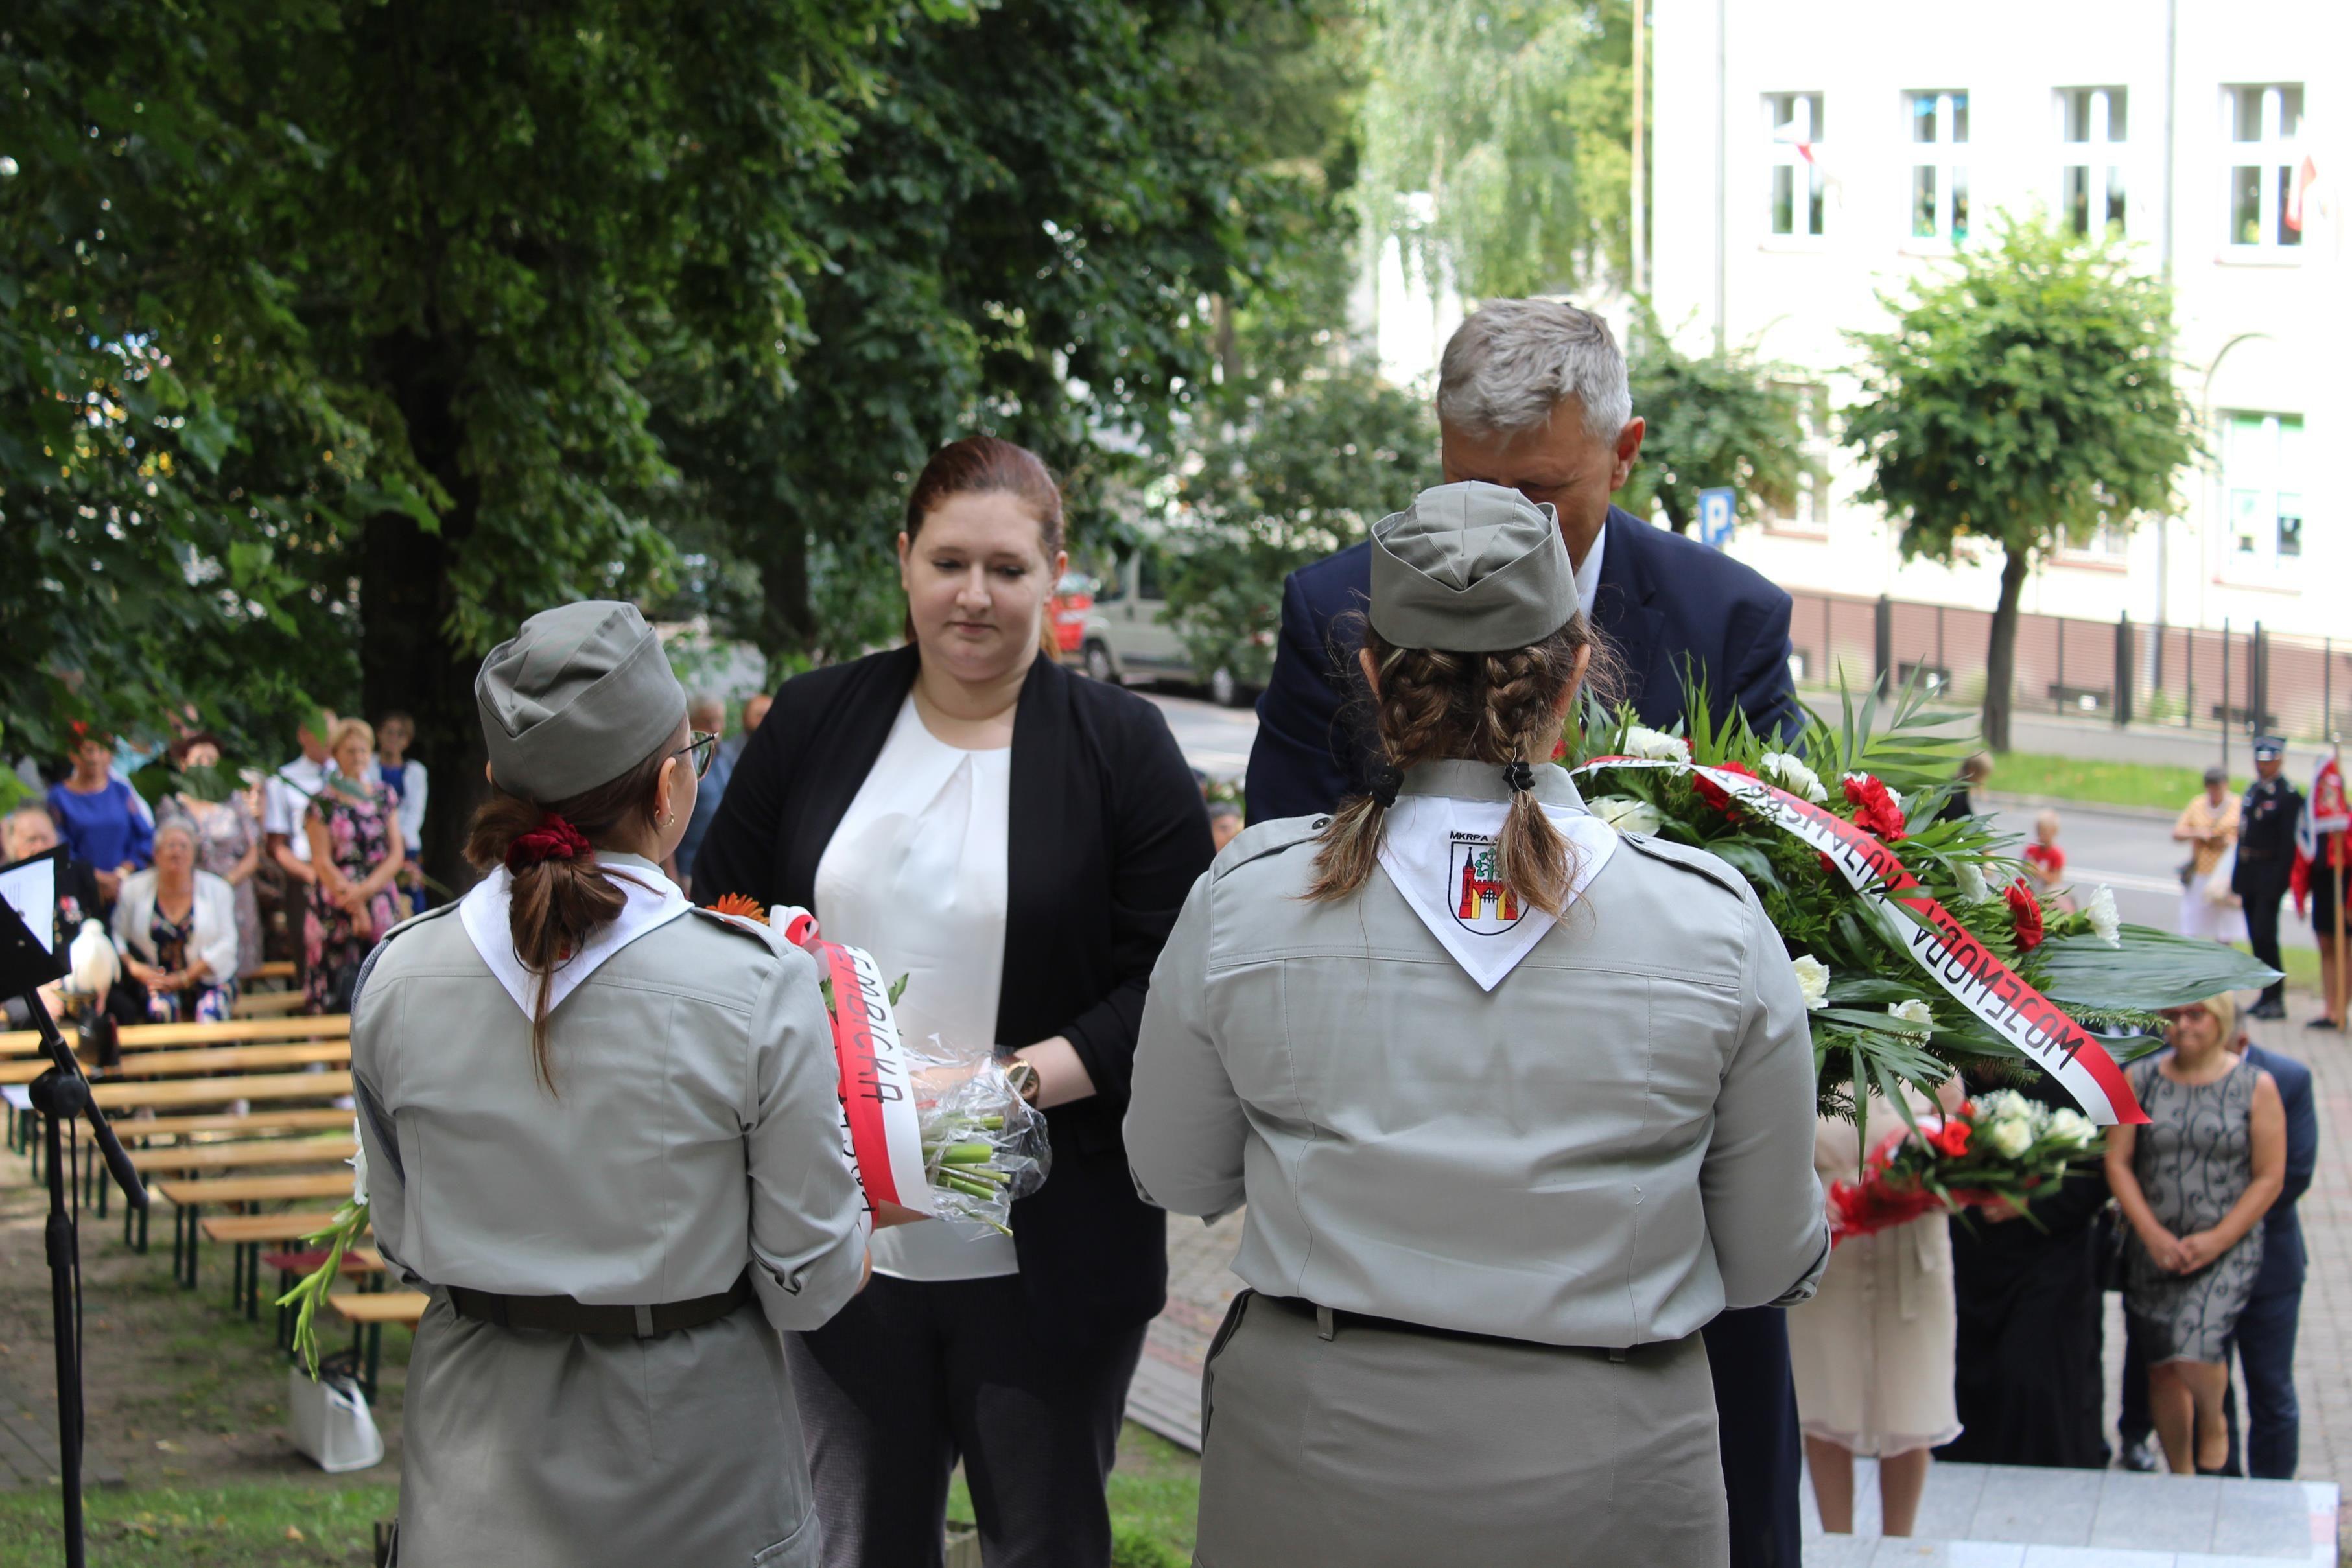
pixel 29 960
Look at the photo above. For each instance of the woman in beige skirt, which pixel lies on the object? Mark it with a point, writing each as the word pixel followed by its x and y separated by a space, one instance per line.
pixel 1873 1349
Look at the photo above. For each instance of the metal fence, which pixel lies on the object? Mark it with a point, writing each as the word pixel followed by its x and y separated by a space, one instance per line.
pixel 2245 679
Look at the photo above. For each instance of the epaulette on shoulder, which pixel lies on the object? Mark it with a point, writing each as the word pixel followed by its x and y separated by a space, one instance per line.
pixel 757 931
pixel 1697 862
pixel 436 913
pixel 1269 838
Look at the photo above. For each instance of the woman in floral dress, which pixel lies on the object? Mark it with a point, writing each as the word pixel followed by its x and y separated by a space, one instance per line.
pixel 354 830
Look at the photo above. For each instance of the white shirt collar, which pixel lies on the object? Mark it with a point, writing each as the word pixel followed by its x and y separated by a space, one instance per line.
pixel 651 901
pixel 1588 570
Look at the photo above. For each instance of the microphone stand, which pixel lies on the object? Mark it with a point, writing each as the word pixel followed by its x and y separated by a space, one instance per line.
pixel 60 1095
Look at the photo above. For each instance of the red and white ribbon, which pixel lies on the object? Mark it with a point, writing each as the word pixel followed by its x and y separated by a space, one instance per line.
pixel 1971 973
pixel 882 1135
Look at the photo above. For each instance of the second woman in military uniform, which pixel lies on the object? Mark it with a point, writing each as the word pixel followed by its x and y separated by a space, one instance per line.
pixel 1516 1103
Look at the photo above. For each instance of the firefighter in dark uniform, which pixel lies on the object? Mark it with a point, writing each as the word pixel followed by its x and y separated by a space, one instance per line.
pixel 2265 857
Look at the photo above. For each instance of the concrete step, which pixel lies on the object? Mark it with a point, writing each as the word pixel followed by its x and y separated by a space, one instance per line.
pixel 1995 1516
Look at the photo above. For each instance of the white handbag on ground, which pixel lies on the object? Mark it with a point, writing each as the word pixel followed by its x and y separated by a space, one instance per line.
pixel 333 1425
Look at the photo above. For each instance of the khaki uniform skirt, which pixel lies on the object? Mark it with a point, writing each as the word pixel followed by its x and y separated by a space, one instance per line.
pixel 1384 1448
pixel 523 1448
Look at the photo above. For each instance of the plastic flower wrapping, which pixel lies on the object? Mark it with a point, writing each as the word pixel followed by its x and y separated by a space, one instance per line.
pixel 1918 942
pixel 1999 1148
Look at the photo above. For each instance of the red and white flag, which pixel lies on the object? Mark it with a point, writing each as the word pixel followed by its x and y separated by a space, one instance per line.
pixel 2327 818
pixel 2306 174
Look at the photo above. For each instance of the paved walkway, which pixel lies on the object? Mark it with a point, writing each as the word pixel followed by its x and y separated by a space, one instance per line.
pixel 28 1444
pixel 1167 1387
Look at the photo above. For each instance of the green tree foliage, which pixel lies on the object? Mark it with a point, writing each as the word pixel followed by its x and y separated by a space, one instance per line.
pixel 1034 207
pixel 2022 401
pixel 1514 120
pixel 1715 420
pixel 1303 467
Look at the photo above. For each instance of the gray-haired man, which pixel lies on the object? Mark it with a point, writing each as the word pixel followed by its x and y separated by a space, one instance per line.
pixel 1532 394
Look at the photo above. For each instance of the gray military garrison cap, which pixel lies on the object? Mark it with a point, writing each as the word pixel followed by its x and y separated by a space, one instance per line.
pixel 1471 567
pixel 578 697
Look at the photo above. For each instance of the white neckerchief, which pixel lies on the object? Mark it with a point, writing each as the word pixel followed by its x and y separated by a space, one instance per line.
pixel 652 901
pixel 1437 850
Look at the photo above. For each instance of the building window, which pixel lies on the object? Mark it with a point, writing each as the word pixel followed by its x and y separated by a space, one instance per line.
pixel 1808 509
pixel 1792 128
pixel 2261 481
pixel 1939 169
pixel 2092 127
pixel 2267 170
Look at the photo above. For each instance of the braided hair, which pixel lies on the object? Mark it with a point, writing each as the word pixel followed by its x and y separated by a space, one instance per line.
pixel 1502 708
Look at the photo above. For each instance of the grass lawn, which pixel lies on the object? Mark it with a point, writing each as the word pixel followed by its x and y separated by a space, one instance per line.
pixel 2302 965
pixel 2103 783
pixel 1154 1493
pixel 274 1524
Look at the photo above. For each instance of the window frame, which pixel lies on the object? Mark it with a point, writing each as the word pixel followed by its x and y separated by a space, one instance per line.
pixel 2274 155
pixel 1808 204
pixel 2268 561
pixel 1946 156
pixel 2103 158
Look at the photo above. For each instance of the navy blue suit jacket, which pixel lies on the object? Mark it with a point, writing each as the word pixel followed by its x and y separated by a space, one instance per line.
pixel 1662 600
pixel 2283 1254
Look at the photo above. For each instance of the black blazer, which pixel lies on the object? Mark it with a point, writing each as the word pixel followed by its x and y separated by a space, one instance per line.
pixel 1107 836
pixel 1663 598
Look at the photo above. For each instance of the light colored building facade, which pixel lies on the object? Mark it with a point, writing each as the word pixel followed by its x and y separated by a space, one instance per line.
pixel 1814 155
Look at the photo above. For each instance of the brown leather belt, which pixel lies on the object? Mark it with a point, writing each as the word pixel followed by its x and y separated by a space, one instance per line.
pixel 562 1315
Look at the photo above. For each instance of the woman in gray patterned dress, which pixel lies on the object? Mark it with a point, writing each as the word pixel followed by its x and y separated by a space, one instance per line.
pixel 2194 1184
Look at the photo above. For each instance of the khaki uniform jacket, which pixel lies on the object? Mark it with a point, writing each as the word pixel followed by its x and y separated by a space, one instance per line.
pixel 1608 1149
pixel 694 1129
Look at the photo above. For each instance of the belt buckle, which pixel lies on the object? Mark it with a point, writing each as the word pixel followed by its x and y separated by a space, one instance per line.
pixel 644 1321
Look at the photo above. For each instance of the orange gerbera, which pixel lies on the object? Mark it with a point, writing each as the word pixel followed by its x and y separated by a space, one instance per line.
pixel 740 905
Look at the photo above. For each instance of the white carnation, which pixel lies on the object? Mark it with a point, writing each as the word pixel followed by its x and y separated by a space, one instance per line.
pixel 1914 1011
pixel 2073 1127
pixel 2002 1106
pixel 2011 1137
pixel 1657 744
pixel 1625 813
pixel 1895 795
pixel 1813 979
pixel 1973 886
pixel 1791 773
pixel 359 1164
pixel 2101 911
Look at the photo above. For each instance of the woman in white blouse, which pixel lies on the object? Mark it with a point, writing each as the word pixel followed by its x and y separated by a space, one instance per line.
pixel 1016 841
pixel 177 928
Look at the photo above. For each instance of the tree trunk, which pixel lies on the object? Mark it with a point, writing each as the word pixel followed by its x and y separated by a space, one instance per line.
pixel 2001 652
pixel 406 661
pixel 788 619
pixel 1678 515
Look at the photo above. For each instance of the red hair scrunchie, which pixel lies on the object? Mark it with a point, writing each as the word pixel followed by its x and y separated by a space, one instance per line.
pixel 553 840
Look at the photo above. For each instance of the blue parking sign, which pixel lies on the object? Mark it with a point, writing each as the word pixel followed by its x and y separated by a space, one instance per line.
pixel 1715 513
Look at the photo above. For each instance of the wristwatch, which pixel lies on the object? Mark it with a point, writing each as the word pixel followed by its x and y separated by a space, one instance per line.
pixel 1022 1077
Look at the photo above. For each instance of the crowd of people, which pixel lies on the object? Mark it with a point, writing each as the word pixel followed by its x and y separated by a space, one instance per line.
pixel 1534 1234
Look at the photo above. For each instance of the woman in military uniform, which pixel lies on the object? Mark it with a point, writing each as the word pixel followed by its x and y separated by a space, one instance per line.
pixel 1516 1103
pixel 602 1129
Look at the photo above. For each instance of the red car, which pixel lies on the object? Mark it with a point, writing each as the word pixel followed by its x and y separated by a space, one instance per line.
pixel 1073 597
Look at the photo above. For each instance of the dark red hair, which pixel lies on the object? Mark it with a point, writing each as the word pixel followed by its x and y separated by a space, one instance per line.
pixel 983 465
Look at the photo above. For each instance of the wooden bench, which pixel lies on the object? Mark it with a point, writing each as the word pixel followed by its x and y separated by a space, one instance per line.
pixel 133 1128
pixel 199 1064
pixel 275 969
pixel 242 1154
pixel 367 1311
pixel 265 1004
pixel 177 1094
pixel 188 1197
pixel 187 1036
pixel 249 1233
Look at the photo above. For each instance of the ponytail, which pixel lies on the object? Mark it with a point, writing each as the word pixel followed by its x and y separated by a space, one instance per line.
pixel 561 896
pixel 1497 708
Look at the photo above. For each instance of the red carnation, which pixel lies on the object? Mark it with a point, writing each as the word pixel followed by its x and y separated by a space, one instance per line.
pixel 1715 794
pixel 2025 915
pixel 1950 1139
pixel 1875 810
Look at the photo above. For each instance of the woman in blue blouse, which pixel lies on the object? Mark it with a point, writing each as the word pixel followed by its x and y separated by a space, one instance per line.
pixel 101 821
